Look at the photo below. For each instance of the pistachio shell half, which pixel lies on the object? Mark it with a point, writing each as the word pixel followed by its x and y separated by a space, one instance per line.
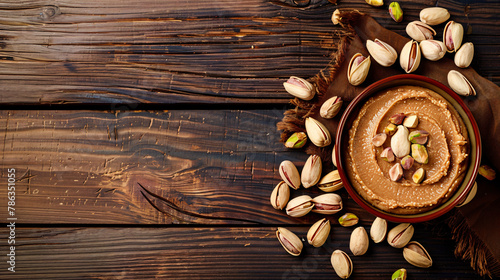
pixel 331 107
pixel 420 31
pixel 359 241
pixel 311 173
pixel 300 88
pixel 452 36
pixel 290 242
pixel 434 15
pixel 289 174
pixel 341 263
pixel 378 230
pixel 400 235
pixel 328 203
pixel 415 254
pixel 299 206
pixel 319 232
pixel 410 56
pixel 432 50
pixel 358 69
pixel 383 53
pixel 280 195
pixel 463 57
pixel 460 84
pixel 317 132
pixel 330 182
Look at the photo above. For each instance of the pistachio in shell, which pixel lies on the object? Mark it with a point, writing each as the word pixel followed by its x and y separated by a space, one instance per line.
pixel 331 107
pixel 378 230
pixel 328 203
pixel 300 88
pixel 415 254
pixel 280 195
pixel 311 173
pixel 330 182
pixel 299 206
pixel 452 36
pixel 317 132
pixel 410 56
pixel 400 235
pixel 319 232
pixel 383 53
pixel 342 264
pixel 289 173
pixel 359 241
pixel 358 69
pixel 290 242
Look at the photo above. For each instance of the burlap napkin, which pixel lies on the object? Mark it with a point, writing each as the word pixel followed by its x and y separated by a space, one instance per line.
pixel 475 226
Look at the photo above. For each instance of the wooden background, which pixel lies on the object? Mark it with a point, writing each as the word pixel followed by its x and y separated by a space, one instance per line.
pixel 99 98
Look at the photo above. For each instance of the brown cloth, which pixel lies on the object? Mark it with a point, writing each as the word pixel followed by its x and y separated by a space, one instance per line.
pixel 475 226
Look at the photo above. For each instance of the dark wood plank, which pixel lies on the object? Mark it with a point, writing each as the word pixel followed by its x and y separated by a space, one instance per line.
pixel 210 253
pixel 188 52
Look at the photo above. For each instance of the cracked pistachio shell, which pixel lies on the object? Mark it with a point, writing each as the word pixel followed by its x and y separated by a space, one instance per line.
pixel 299 206
pixel 358 69
pixel 420 31
pixel 434 15
pixel 400 235
pixel 296 140
pixel 359 241
pixel 463 57
pixel 317 132
pixel 470 196
pixel 280 195
pixel 331 107
pixel 452 36
pixel 383 53
pixel 348 219
pixel 289 174
pixel 300 88
pixel 432 50
pixel 415 254
pixel 330 182
pixel 399 274
pixel 328 203
pixel 410 56
pixel 341 263
pixel 290 242
pixel 460 84
pixel 311 173
pixel 378 230
pixel 319 232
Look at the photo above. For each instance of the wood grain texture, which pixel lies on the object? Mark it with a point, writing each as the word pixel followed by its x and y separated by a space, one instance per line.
pixel 210 253
pixel 169 52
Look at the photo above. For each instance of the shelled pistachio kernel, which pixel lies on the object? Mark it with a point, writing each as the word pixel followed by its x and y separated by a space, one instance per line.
pixel 348 219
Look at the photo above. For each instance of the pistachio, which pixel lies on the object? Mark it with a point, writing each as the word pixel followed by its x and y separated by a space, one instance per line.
pixel 378 230
pixel 328 203
pixel 418 175
pixel 419 153
pixel 330 182
pixel 290 242
pixel 396 172
pixel 318 233
pixel 379 139
pixel 280 195
pixel 411 121
pixel 290 174
pixel 334 158
pixel 410 56
pixel 463 57
pixel 336 17
pixel 382 52
pixel 487 172
pixel 296 140
pixel 418 137
pixel 397 119
pixel 399 142
pixel 387 154
pixel 300 88
pixel 432 49
pixel 407 162
pixel 434 15
pixel 400 235
pixel 331 107
pixel 452 36
pixel 359 241
pixel 348 219
pixel 341 263
pixel 470 196
pixel 460 84
pixel 390 129
pixel 415 254
pixel 420 31
pixel 299 206
pixel 358 69
pixel 399 274
pixel 375 3
pixel 311 173
pixel 396 12
pixel 317 133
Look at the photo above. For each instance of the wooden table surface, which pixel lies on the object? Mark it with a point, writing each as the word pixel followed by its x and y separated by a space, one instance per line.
pixel 143 137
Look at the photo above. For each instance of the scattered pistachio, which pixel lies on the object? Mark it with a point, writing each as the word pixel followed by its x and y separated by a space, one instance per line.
pixel 375 3
pixel 300 88
pixel 336 17
pixel 434 15
pixel 280 195
pixel 390 129
pixel 397 119
pixel 487 172
pixel 348 219
pixel 463 57
pixel 359 241
pixel 378 230
pixel 317 133
pixel 400 235
pixel 418 176
pixel 396 12
pixel 379 139
pixel 411 121
pixel 296 140
pixel 318 233
pixel 418 137
pixel 358 69
pixel 432 50
pixel 460 84
pixel 311 173
pixel 469 197
pixel 410 56
pixel 452 36
pixel 420 31
pixel 415 254
pixel 419 153
pixel 383 53
pixel 399 142
pixel 290 174
pixel 399 274
pixel 328 203
pixel 407 162
pixel 387 154
pixel 290 242
pixel 342 264
pixel 330 182
pixel 331 107
pixel 396 172
pixel 299 206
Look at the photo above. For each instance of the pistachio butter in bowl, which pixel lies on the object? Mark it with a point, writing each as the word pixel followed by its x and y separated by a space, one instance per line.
pixel 408 149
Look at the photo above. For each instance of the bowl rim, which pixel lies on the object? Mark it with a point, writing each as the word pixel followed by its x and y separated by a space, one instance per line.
pixel 386 215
